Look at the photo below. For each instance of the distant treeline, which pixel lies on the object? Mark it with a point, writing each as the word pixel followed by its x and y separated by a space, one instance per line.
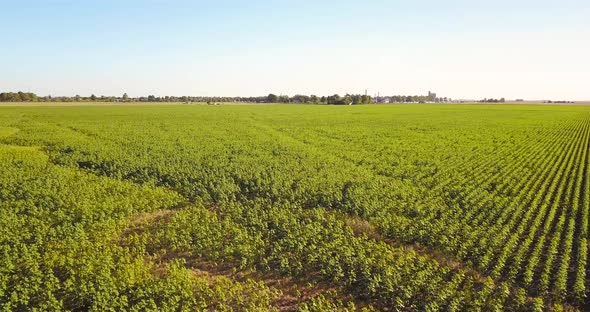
pixel 355 99
pixel 271 98
pixel 502 100
pixel 18 97
pixel 335 99
pixel 559 102
pixel 348 99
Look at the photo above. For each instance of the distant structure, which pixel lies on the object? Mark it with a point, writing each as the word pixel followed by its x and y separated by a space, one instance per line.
pixel 432 96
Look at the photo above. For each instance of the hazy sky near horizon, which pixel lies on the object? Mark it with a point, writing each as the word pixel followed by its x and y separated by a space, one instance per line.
pixel 533 49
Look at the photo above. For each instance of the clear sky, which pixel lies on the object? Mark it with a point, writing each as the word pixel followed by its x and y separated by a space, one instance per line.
pixel 533 49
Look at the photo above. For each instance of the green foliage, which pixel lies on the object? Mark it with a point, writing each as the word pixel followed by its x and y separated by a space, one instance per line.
pixel 493 198
pixel 322 303
pixel 18 97
pixel 57 252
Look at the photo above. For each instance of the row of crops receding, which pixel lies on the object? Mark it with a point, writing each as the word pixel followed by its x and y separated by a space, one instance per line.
pixel 409 207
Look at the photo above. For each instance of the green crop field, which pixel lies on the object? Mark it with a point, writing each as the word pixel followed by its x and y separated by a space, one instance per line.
pixel 294 207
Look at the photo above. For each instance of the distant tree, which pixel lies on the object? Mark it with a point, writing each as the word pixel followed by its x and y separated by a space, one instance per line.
pixel 272 98
pixel 284 99
pixel 357 99
pixel 314 99
pixel 347 100
pixel 93 97
pixel 334 99
pixel 300 99
pixel 125 97
pixel 77 98
pixel 492 100
pixel 366 99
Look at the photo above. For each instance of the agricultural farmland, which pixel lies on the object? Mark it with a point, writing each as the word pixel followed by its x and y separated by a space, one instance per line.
pixel 294 207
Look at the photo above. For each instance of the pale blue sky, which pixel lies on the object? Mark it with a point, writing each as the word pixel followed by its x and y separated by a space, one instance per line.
pixel 458 48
